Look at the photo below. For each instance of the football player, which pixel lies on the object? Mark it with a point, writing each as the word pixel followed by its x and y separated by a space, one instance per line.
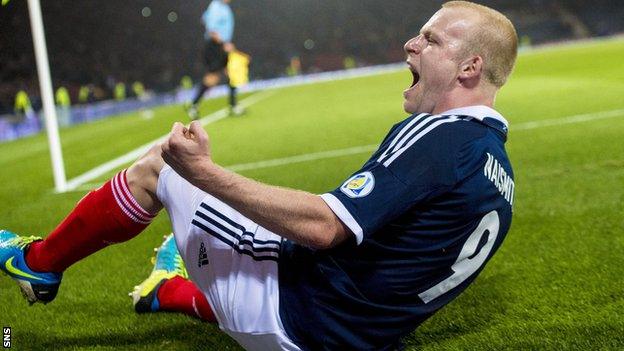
pixel 358 267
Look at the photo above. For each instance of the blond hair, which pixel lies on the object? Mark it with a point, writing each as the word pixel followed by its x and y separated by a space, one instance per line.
pixel 495 41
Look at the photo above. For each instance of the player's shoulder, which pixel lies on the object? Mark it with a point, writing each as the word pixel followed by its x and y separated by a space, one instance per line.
pixel 427 135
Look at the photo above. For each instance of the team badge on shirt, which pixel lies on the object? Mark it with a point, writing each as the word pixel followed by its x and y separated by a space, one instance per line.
pixel 359 185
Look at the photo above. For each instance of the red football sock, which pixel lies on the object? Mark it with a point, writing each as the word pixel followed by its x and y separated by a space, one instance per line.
pixel 105 216
pixel 181 295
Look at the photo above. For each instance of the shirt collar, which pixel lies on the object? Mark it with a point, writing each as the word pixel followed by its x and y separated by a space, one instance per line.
pixel 484 114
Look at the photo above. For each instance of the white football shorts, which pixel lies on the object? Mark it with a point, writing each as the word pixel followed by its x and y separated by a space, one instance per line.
pixel 231 259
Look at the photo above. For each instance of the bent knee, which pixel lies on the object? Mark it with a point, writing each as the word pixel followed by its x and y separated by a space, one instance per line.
pixel 143 175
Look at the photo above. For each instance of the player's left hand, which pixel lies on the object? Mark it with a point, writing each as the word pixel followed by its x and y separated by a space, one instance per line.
pixel 187 150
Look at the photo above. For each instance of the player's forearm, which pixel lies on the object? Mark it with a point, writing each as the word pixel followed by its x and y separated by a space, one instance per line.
pixel 296 215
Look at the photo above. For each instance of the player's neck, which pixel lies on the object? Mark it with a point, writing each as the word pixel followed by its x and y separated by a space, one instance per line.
pixel 464 97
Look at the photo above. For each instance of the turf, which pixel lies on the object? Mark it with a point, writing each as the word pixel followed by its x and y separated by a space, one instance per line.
pixel 555 284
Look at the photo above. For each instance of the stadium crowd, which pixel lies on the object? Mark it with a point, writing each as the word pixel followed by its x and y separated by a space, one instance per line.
pixel 102 45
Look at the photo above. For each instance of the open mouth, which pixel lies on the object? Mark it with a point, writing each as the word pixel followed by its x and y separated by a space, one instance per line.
pixel 415 74
pixel 415 80
pixel 415 77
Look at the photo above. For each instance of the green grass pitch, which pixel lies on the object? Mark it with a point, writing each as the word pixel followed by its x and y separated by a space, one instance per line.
pixel 557 283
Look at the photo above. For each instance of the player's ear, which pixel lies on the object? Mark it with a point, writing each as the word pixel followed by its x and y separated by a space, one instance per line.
pixel 470 69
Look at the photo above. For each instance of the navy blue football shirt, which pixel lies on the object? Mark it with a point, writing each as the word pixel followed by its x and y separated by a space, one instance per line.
pixel 427 211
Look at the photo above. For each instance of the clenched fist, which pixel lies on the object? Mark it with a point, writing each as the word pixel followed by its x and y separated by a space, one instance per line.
pixel 187 150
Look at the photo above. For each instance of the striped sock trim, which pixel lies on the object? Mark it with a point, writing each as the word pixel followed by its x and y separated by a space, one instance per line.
pixel 126 200
pixel 196 309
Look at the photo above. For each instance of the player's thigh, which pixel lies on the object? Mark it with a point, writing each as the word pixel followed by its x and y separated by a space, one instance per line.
pixel 180 198
pixel 231 259
pixel 234 261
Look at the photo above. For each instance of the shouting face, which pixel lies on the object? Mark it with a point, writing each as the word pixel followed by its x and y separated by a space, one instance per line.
pixel 434 58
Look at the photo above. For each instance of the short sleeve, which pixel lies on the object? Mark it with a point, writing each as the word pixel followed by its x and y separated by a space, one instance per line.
pixel 392 182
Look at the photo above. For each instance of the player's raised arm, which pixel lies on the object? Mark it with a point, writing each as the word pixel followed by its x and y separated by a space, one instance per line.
pixel 297 215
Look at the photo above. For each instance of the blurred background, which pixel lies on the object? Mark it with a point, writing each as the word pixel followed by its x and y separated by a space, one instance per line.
pixel 158 44
pixel 128 67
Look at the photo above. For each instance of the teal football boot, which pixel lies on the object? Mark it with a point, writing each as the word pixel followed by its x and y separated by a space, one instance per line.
pixel 167 264
pixel 35 286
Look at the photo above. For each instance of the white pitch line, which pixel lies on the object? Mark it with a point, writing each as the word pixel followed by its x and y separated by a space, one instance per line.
pixel 363 148
pixel 370 148
pixel 585 117
pixel 302 158
pixel 104 168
